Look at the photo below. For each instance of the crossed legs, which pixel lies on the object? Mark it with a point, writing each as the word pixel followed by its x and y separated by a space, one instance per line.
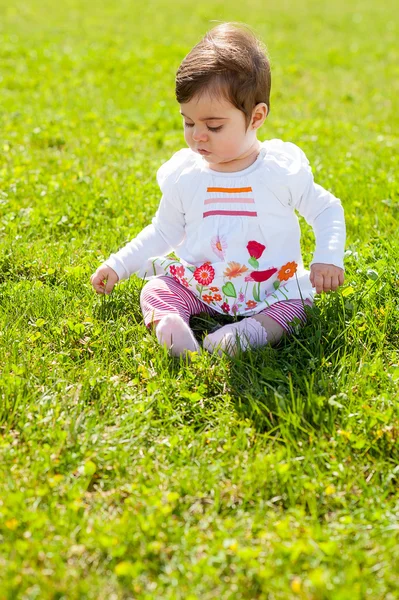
pixel 167 307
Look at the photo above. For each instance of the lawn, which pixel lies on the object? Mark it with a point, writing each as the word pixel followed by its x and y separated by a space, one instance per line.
pixel 125 474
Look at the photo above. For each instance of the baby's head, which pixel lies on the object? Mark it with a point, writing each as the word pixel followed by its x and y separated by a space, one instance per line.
pixel 223 88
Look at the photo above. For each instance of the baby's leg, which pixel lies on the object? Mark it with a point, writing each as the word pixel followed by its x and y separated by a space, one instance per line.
pixel 167 306
pixel 244 334
pixel 266 327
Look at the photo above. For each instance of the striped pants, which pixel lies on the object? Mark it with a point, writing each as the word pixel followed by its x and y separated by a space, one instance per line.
pixel 163 296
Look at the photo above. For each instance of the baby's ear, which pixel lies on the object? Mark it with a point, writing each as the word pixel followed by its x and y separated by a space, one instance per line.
pixel 259 115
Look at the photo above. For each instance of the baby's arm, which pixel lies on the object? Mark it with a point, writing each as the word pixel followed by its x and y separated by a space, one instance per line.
pixel 166 231
pixel 324 212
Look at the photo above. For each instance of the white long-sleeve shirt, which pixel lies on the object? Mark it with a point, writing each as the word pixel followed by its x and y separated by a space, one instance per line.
pixel 236 235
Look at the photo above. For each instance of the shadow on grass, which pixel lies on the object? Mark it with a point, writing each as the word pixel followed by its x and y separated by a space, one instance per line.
pixel 287 388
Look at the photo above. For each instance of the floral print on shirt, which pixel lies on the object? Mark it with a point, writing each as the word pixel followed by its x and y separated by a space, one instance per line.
pixel 219 245
pixel 240 289
pixel 204 274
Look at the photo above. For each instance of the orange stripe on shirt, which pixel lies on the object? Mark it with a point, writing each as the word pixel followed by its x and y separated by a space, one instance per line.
pixel 230 213
pixel 229 190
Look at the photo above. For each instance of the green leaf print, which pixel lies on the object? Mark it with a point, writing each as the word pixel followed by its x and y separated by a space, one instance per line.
pixel 283 290
pixel 192 269
pixel 229 290
pixel 256 292
pixel 276 285
pixel 253 262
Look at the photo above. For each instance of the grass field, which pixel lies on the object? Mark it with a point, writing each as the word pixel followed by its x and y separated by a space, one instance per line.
pixel 124 474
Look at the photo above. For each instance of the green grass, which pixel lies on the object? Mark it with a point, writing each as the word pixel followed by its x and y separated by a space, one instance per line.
pixel 125 474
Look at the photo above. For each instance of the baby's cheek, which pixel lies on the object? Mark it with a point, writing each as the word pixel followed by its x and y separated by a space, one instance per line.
pixel 231 147
pixel 187 137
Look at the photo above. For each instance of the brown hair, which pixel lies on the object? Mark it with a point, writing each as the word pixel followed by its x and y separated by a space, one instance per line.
pixel 228 61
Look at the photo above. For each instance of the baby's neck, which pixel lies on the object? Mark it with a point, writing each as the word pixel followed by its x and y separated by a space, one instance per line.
pixel 241 162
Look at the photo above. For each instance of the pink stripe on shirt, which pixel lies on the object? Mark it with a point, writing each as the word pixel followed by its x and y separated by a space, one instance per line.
pixel 232 200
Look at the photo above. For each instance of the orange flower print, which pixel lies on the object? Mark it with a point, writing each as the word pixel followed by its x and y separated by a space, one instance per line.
pixel 287 271
pixel 234 270
pixel 214 289
pixel 207 299
pixel 217 297
pixel 219 245
pixel 250 304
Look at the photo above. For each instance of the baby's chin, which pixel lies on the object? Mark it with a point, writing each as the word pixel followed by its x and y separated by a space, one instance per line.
pixel 213 159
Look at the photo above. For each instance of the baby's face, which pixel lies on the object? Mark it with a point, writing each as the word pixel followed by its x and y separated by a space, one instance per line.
pixel 216 129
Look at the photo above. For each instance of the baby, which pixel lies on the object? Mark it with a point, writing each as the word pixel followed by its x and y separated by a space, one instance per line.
pixel 228 212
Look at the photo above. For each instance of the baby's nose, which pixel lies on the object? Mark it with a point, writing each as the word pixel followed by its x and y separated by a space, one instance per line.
pixel 199 135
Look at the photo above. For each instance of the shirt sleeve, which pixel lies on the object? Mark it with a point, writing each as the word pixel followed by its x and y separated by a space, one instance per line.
pixel 164 234
pixel 321 209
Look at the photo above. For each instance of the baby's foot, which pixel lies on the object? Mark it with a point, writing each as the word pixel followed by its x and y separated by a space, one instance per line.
pixel 230 338
pixel 176 335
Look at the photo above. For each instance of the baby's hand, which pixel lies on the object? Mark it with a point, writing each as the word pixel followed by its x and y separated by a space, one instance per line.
pixel 326 278
pixel 104 273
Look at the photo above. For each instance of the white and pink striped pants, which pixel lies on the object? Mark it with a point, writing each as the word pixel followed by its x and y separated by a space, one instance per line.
pixel 163 296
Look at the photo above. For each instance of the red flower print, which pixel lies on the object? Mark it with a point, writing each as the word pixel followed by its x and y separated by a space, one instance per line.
pixel 225 307
pixel 180 271
pixel 204 274
pixel 250 304
pixel 255 249
pixel 263 275
pixel 287 271
pixel 185 282
pixel 207 299
pixel 214 289
pixel 217 297
pixel 172 270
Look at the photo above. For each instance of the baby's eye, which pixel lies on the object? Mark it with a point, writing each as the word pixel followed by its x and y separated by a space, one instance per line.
pixel 213 129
